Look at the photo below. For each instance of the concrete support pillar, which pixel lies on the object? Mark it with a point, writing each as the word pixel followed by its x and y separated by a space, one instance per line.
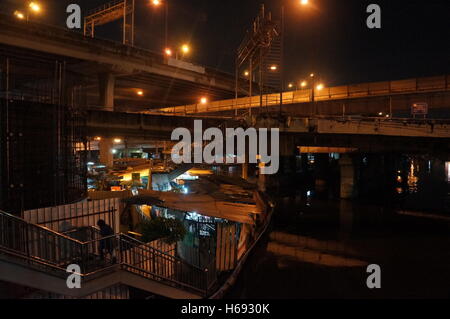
pixel 288 153
pixel 106 86
pixel 347 176
pixel 346 219
pixel 321 169
pixel 245 170
pixel 106 155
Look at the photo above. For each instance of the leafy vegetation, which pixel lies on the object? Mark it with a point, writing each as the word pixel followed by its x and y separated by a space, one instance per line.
pixel 169 230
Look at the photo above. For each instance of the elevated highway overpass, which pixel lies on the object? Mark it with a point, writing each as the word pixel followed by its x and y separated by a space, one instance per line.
pixel 393 98
pixel 368 134
pixel 111 73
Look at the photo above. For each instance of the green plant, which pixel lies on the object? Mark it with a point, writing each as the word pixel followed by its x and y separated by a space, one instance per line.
pixel 169 230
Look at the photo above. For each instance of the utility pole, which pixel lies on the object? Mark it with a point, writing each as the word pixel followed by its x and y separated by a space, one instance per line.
pixel 282 60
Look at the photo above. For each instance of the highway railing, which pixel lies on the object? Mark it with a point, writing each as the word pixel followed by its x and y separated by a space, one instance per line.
pixel 364 90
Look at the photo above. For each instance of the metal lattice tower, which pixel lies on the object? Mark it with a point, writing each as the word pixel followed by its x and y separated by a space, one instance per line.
pixel 261 49
pixel 112 11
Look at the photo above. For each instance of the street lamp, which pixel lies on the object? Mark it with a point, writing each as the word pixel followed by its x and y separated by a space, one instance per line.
pixel 303 84
pixel 303 3
pixel 203 100
pixel 157 3
pixel 33 7
pixel 168 52
pixel 185 49
pixel 19 15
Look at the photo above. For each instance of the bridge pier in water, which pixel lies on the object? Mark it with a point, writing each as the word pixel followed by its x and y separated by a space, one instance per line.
pixel 347 181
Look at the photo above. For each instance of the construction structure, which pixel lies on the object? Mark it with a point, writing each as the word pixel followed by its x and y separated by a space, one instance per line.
pixel 112 11
pixel 260 56
pixel 42 141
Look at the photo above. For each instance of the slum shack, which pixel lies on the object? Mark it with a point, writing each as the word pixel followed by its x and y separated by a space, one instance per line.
pixel 221 216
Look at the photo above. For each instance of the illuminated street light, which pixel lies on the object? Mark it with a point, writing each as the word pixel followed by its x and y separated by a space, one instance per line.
pixel 274 68
pixel 246 73
pixel 185 49
pixel 291 85
pixel 304 2
pixel 168 52
pixel 117 140
pixel 35 7
pixel 303 84
pixel 98 138
pixel 140 93
pixel 312 75
pixel 320 87
pixel 157 3
pixel 19 15
pixel 203 100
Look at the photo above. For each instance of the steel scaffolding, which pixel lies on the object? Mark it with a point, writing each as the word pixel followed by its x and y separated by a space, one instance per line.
pixel 42 139
pixel 112 11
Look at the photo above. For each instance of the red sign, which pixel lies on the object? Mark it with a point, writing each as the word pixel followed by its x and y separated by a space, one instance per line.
pixel 419 108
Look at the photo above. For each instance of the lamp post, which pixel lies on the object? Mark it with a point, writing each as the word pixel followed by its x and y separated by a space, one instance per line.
pixel 33 7
pixel 303 3
pixel 157 3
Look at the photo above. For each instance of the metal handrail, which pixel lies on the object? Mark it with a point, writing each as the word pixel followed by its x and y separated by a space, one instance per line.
pixel 42 246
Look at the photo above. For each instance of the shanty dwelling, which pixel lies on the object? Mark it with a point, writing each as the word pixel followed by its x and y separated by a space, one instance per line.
pixel 218 230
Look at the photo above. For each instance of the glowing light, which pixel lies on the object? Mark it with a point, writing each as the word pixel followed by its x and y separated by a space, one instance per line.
pixel 303 84
pixel 156 2
pixel 246 73
pixel 320 87
pixel 19 15
pixel 304 2
pixel 34 6
pixel 291 85
pixel 168 52
pixel 203 100
pixel 380 114
pixel 185 48
pixel 114 151
pixel 273 67
pixel 117 140
pixel 98 138
pixel 140 93
pixel 312 75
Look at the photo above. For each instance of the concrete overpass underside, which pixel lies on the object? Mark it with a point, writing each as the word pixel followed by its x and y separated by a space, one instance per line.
pixel 366 136
pixel 101 73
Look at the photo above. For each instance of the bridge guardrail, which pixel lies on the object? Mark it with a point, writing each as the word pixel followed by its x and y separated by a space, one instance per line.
pixel 416 85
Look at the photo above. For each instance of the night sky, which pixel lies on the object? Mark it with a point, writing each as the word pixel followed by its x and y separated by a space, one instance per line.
pixel 329 38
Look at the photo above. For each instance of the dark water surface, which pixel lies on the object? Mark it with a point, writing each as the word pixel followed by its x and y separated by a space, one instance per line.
pixel 319 247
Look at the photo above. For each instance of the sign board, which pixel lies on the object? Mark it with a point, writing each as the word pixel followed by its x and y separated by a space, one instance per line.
pixel 419 108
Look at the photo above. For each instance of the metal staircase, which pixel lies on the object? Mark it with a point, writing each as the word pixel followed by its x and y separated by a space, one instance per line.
pixel 38 257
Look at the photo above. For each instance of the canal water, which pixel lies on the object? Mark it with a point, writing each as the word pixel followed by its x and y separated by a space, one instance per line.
pixel 319 246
